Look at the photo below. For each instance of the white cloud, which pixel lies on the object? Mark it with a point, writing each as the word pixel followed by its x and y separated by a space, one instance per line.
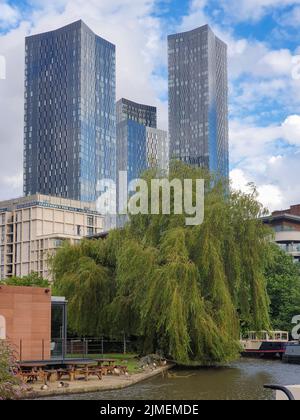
pixel 291 129
pixel 249 141
pixel 253 10
pixel 15 182
pixel 239 180
pixel 275 63
pixel 269 195
pixel 275 175
pixel 291 18
pixel 8 15
pixel 195 17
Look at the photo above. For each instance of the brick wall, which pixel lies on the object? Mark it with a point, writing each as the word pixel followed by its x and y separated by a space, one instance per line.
pixel 293 210
pixel 27 314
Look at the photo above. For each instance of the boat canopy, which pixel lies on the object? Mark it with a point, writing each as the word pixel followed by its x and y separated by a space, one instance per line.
pixel 267 335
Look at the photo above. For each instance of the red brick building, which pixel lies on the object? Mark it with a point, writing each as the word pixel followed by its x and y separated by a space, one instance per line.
pixel 25 321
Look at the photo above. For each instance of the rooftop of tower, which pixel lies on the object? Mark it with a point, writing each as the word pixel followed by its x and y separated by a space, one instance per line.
pixel 194 31
pixel 136 104
pixel 77 24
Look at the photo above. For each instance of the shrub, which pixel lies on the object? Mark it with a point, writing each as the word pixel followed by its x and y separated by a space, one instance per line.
pixel 11 387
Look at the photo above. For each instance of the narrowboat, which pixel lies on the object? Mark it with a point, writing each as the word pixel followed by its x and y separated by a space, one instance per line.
pixel 265 344
pixel 292 354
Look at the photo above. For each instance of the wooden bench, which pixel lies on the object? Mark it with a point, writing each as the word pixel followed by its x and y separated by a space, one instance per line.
pixel 33 376
pixel 95 371
pixel 27 377
pixel 70 373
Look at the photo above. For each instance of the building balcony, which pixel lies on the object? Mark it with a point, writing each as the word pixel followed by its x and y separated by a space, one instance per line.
pixel 289 242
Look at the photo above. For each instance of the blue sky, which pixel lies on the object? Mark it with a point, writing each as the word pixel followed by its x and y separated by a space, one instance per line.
pixel 263 40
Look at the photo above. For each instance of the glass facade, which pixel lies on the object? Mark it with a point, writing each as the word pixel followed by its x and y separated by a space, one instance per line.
pixel 132 122
pixel 70 116
pixel 198 100
pixel 140 145
pixel 131 148
pixel 58 328
pixel 157 149
pixel 142 114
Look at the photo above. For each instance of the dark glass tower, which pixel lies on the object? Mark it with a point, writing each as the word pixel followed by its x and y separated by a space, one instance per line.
pixel 142 114
pixel 198 100
pixel 132 122
pixel 70 116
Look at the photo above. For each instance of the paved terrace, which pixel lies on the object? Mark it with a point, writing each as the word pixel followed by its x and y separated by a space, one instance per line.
pixel 107 383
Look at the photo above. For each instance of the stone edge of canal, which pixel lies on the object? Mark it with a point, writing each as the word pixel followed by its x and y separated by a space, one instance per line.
pixel 93 387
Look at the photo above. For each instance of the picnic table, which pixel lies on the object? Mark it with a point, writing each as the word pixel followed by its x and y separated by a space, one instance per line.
pixel 84 367
pixel 32 371
pixel 107 366
pixel 48 371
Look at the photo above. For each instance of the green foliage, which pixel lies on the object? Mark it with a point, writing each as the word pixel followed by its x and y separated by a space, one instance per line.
pixel 32 280
pixel 183 290
pixel 283 276
pixel 10 387
pixel 85 274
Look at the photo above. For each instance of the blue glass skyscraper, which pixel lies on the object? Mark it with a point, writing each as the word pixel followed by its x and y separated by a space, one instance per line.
pixel 70 114
pixel 132 120
pixel 132 149
pixel 198 100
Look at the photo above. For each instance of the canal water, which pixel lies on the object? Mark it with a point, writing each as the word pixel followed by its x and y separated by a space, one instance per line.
pixel 242 380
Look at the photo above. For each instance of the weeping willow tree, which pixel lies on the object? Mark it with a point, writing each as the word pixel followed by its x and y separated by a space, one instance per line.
pixel 184 290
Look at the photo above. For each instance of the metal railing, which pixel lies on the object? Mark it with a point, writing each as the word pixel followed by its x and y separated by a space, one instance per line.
pixel 72 348
pixel 85 348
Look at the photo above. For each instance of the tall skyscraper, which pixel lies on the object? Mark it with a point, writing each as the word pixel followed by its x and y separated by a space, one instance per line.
pixel 131 149
pixel 140 145
pixel 198 100
pixel 70 114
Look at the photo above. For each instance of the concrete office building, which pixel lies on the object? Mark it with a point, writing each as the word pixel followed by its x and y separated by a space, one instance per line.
pixel 286 225
pixel 70 113
pixel 32 228
pixel 198 100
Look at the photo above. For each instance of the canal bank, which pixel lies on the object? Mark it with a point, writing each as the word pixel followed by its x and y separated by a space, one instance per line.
pixel 108 383
pixel 241 380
